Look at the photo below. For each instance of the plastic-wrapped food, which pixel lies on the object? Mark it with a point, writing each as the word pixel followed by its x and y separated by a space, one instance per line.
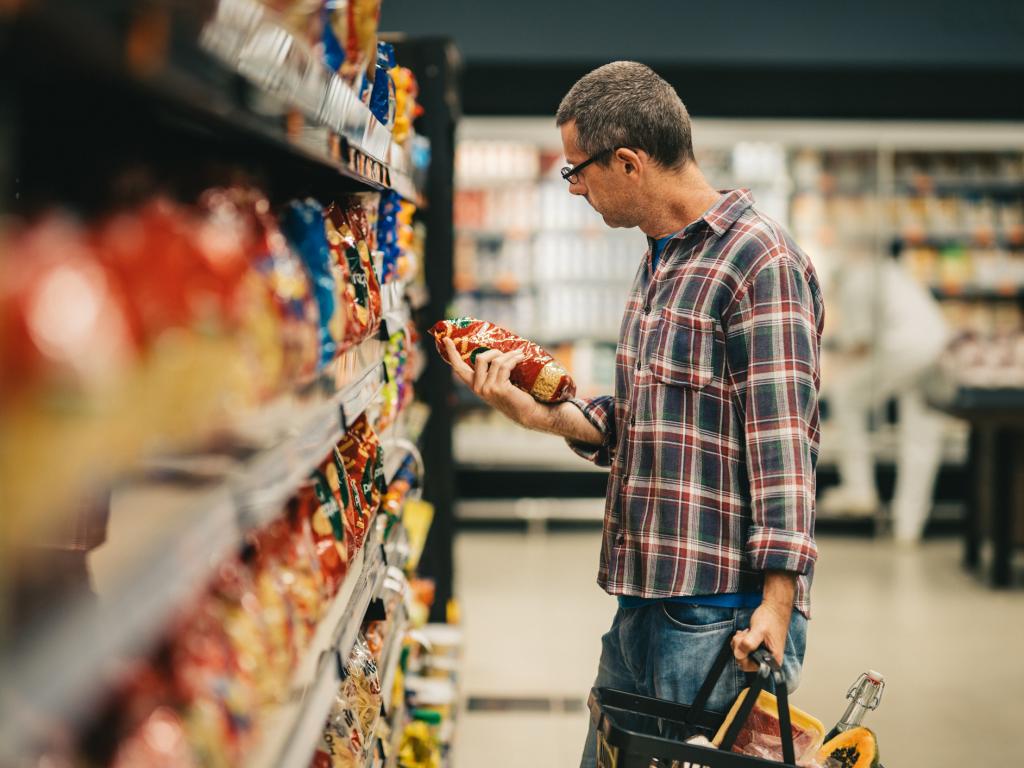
pixel 294 577
pixel 387 233
pixel 350 278
pixel 363 458
pixel 362 687
pixel 349 230
pixel 347 493
pixel 326 526
pixel 211 677
pixel 160 741
pixel 341 744
pixel 303 225
pixel 406 108
pixel 292 327
pixel 537 374
pixel 361 42
pixel 760 734
pixel 68 373
pixel 382 96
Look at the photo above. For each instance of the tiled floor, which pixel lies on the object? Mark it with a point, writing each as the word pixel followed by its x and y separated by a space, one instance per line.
pixel 952 650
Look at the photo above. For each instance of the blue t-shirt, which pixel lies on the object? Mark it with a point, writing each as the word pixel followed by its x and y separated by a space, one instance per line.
pixel 725 600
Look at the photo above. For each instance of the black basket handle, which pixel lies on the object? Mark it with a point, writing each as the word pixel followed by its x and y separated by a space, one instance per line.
pixel 769 668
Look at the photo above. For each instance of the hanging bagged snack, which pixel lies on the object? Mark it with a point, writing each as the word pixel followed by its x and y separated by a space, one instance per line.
pixel 346 491
pixel 341 744
pixel 382 94
pixel 294 577
pixel 362 687
pixel 317 505
pixel 303 225
pixel 289 287
pixel 406 108
pixel 357 214
pixel 350 278
pixel 360 454
pixel 361 41
pixel 538 374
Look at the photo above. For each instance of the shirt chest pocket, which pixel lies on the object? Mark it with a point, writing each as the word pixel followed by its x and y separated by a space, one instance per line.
pixel 683 348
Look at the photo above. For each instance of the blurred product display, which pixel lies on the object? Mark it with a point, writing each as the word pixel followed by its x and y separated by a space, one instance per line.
pixel 930 237
pixel 209 356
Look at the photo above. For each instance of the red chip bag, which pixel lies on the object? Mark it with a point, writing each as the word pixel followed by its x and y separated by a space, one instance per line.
pixel 538 374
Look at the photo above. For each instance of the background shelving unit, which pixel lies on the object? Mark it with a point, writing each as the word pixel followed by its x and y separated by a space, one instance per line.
pixel 839 186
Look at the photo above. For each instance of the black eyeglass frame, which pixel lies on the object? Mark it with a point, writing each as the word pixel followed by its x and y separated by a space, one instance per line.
pixel 568 173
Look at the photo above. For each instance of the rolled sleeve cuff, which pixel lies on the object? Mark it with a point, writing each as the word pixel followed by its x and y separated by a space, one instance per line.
pixel 599 413
pixel 776 549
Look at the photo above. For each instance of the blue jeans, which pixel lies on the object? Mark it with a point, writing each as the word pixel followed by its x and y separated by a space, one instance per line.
pixel 665 650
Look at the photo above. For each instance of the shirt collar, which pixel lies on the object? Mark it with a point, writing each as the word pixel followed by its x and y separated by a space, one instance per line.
pixel 720 216
pixel 729 207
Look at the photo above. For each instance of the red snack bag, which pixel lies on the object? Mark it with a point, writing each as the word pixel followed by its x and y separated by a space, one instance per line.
pixel 359 451
pixel 317 515
pixel 359 220
pixel 352 293
pixel 538 374
pixel 347 493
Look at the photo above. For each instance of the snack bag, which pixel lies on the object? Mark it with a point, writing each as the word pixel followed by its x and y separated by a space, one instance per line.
pixel 760 735
pixel 363 461
pixel 346 491
pixel 362 687
pixel 303 225
pixel 317 505
pixel 538 374
pixel 341 744
pixel 350 279
pixel 361 214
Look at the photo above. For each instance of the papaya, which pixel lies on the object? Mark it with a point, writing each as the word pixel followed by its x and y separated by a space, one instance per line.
pixel 855 748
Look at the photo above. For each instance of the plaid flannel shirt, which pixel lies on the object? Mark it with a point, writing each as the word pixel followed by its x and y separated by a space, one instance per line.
pixel 712 434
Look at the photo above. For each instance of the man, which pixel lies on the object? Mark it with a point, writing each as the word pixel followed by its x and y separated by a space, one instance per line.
pixel 892 351
pixel 712 433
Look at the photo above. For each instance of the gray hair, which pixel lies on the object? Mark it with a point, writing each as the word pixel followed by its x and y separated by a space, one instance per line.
pixel 626 104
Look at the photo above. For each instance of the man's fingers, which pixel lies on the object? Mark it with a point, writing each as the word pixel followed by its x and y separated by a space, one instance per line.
pixel 501 369
pixel 457 363
pixel 481 367
pixel 745 643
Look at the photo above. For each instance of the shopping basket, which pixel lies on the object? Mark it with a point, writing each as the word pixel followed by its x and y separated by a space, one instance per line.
pixel 639 732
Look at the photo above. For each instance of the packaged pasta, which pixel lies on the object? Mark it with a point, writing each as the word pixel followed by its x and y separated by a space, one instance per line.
pixel 538 374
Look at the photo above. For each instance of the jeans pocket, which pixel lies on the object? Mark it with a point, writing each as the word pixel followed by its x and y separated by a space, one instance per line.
pixel 698 618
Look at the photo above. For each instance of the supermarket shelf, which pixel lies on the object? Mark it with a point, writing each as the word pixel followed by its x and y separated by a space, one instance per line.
pixel 955 240
pixel 402 438
pixel 199 78
pixel 531 510
pixel 189 528
pixel 391 658
pixel 959 184
pixel 294 729
pixel 978 293
pixel 272 477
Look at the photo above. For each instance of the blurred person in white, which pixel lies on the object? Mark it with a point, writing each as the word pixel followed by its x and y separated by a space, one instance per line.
pixel 891 334
pixel 712 432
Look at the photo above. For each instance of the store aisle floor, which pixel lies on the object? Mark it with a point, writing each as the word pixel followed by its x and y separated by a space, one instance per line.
pixel 948 645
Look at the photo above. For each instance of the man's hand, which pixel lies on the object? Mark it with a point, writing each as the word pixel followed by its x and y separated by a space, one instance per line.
pixel 490 381
pixel 769 624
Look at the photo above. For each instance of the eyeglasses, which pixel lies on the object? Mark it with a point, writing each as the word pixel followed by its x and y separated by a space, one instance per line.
pixel 572 174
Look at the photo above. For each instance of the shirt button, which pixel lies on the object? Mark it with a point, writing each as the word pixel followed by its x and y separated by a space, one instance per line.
pixel 639 365
pixel 620 538
pixel 632 420
pixel 647 309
